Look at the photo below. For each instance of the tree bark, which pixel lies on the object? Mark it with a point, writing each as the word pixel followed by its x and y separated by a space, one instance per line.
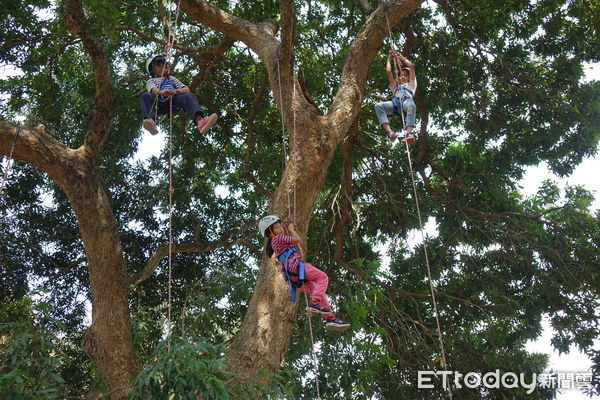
pixel 264 337
pixel 108 341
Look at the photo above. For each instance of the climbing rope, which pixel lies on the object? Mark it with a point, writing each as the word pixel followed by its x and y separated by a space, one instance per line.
pixel 171 191
pixel 292 213
pixel 283 136
pixel 169 54
pixel 9 162
pixel 422 230
pixel 314 353
pixel 425 251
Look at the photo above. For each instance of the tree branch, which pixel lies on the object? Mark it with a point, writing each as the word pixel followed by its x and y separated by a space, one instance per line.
pixel 259 37
pixel 33 146
pixel 192 247
pixel 101 115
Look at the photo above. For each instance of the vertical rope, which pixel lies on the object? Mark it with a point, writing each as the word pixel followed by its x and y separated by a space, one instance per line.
pixel 425 251
pixel 169 54
pixel 391 40
pixel 292 213
pixel 295 138
pixel 423 238
pixel 171 191
pixel 285 156
pixel 314 353
pixel 9 162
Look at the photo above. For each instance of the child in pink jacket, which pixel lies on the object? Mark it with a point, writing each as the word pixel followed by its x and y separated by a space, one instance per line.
pixel 299 274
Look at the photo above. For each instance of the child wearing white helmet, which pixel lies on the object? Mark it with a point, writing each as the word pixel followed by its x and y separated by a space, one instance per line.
pixel 164 89
pixel 297 273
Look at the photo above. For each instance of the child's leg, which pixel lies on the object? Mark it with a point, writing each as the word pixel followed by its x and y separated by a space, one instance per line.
pixel 190 104
pixel 147 105
pixel 409 107
pixel 382 110
pixel 315 284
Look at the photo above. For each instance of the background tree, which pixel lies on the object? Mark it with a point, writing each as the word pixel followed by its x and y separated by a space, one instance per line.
pixel 488 79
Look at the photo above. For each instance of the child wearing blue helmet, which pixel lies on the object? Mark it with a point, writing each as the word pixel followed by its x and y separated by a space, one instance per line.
pixel 164 89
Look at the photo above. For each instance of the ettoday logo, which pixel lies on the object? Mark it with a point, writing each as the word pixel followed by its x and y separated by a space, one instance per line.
pixel 472 380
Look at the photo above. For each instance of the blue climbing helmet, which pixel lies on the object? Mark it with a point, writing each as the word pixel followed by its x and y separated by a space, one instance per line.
pixel 154 60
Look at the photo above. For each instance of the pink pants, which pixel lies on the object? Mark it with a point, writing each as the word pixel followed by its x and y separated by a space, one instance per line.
pixel 315 284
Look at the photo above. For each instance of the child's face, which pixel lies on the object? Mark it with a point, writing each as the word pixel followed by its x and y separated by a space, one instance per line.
pixel 404 76
pixel 161 69
pixel 277 228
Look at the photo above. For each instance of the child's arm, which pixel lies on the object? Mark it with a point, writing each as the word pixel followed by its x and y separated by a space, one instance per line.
pixel 295 238
pixel 388 71
pixel 412 75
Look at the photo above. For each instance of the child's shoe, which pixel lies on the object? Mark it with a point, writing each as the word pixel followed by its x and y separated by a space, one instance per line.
pixel 317 308
pixel 409 139
pixel 150 126
pixel 206 122
pixel 393 136
pixel 334 324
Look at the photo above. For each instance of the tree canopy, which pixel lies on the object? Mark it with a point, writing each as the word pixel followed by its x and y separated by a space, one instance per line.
pixel 84 221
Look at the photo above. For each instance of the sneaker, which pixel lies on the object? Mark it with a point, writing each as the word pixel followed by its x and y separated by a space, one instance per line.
pixel 317 308
pixel 392 135
pixel 150 126
pixel 409 139
pixel 334 324
pixel 206 122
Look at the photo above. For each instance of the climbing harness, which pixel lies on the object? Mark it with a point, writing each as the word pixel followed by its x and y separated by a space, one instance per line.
pixel 423 237
pixel 9 162
pixel 398 101
pixel 283 259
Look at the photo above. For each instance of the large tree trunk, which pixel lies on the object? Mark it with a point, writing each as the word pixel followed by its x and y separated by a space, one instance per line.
pixel 266 330
pixel 108 341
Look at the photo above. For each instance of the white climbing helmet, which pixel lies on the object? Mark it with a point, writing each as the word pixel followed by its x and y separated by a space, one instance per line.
pixel 266 222
pixel 150 62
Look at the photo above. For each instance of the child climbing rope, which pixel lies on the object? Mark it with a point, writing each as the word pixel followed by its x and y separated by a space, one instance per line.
pixel 162 86
pixel 299 274
pixel 403 88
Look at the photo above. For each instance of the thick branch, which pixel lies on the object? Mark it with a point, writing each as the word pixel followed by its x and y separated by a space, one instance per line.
pixel 306 93
pixel 286 51
pixel 35 147
pixel 193 247
pixel 76 21
pixel 257 36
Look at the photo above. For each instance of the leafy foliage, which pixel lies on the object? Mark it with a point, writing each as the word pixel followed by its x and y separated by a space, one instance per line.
pixel 29 353
pixel 185 370
pixel 501 82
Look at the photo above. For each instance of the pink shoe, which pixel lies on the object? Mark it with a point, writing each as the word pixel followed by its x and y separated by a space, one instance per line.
pixel 409 139
pixel 206 122
pixel 393 136
pixel 150 126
